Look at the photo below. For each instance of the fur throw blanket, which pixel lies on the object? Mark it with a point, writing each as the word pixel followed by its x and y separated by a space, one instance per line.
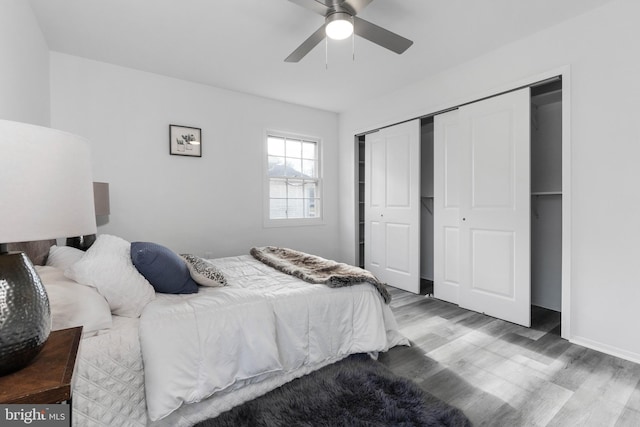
pixel 314 269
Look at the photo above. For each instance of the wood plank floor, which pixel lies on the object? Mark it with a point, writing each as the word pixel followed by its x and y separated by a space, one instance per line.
pixel 501 374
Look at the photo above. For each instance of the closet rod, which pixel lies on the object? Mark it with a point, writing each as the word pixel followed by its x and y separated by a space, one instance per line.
pixel 546 193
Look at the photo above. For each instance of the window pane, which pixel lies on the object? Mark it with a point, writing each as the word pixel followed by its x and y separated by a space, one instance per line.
pixel 309 168
pixel 312 208
pixel 293 177
pixel 278 189
pixel 310 190
pixel 295 189
pixel 294 148
pixel 276 166
pixel 295 208
pixel 294 167
pixel 275 146
pixel 277 208
pixel 309 150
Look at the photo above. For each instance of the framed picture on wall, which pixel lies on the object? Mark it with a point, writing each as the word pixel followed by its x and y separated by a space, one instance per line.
pixel 185 141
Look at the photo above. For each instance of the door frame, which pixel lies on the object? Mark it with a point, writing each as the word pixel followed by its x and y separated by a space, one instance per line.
pixel 565 73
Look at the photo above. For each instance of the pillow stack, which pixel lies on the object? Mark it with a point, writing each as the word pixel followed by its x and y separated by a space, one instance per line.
pixel 117 277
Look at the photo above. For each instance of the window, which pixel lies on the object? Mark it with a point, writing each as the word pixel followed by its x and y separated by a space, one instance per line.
pixel 293 179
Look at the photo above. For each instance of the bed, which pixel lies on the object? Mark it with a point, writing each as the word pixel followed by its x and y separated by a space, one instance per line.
pixel 176 359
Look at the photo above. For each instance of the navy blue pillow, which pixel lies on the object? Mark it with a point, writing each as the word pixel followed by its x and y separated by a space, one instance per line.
pixel 163 268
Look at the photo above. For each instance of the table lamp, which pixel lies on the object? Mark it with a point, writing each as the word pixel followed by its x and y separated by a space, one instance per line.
pixel 45 193
pixel 102 207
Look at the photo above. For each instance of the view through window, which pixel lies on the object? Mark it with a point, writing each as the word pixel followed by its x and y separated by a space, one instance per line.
pixel 293 173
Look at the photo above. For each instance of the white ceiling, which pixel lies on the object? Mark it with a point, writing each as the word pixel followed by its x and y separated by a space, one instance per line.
pixel 241 44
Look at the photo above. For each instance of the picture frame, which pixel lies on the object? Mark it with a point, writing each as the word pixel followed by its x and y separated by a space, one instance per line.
pixel 185 141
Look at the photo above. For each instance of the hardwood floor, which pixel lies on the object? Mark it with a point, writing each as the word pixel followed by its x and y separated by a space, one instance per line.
pixel 501 374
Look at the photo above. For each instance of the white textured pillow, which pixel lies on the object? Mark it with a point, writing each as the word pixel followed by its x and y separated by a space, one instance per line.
pixel 73 304
pixel 63 257
pixel 107 267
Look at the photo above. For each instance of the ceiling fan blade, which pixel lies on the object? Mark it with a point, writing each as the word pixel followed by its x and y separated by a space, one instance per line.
pixel 380 36
pixel 316 6
pixel 357 5
pixel 307 45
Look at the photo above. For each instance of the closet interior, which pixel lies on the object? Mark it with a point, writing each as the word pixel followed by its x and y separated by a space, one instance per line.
pixel 426 206
pixel 546 201
pixel 360 195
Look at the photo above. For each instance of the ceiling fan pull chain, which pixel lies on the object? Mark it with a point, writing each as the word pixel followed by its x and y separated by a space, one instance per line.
pixel 326 53
pixel 353 40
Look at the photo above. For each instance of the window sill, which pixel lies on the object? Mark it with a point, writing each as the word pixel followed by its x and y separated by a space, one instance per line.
pixel 273 223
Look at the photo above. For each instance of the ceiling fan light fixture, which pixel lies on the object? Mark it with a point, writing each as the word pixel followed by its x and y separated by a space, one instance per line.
pixel 339 26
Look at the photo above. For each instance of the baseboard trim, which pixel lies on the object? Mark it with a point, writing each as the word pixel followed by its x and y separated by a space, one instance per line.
pixel 605 348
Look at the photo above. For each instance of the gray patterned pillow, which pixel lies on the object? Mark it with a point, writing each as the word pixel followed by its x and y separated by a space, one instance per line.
pixel 203 272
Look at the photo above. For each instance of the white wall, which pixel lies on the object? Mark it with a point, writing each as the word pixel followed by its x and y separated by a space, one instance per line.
pixel 24 65
pixel 601 49
pixel 207 206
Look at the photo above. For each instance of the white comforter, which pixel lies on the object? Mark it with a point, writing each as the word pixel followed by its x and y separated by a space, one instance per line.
pixel 264 325
pixel 108 385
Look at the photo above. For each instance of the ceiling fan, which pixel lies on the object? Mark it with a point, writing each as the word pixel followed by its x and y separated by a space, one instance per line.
pixel 340 22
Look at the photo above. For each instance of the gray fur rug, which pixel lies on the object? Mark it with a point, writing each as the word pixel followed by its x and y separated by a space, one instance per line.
pixel 356 391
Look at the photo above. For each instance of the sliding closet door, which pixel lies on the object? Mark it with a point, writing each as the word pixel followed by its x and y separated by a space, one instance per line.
pixel 446 207
pixel 495 207
pixel 392 205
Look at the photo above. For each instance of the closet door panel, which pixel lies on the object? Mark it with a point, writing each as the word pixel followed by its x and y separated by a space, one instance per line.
pixel 376 244
pixel 376 173
pixel 495 207
pixel 446 214
pixel 492 263
pixel 451 255
pixel 392 205
pixel 399 171
pixel 398 248
pixel 492 160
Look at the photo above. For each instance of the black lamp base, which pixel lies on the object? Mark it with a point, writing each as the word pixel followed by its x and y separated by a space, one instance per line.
pixel 81 242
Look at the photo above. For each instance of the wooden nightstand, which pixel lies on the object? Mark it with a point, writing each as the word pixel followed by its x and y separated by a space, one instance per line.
pixel 47 379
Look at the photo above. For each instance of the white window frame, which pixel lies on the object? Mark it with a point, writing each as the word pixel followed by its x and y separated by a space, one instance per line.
pixel 290 222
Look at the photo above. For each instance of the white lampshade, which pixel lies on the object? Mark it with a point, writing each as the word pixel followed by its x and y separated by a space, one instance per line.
pixel 46 189
pixel 339 26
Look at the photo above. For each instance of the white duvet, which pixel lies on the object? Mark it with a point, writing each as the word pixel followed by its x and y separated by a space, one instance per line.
pixel 241 340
